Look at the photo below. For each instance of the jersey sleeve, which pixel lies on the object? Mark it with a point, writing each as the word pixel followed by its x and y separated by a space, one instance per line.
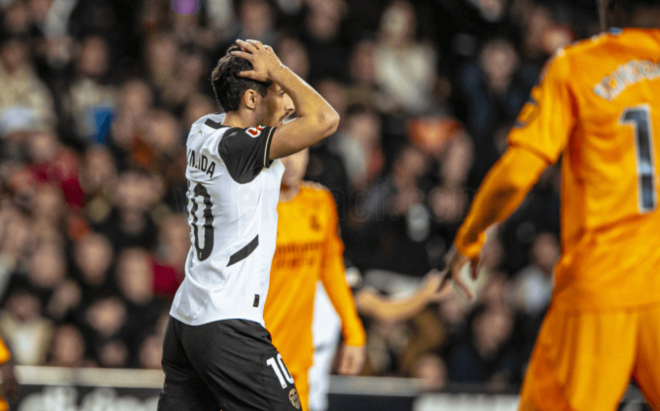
pixel 246 151
pixel 4 353
pixel 545 122
pixel 333 277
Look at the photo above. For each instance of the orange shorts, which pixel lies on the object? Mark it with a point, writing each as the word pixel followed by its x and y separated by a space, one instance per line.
pixel 584 360
pixel 300 378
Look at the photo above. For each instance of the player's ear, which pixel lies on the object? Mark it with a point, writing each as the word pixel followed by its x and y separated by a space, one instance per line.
pixel 251 99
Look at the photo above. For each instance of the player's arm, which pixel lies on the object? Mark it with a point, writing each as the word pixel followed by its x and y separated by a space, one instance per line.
pixel 538 139
pixel 333 277
pixel 315 118
pixel 393 310
pixel 10 385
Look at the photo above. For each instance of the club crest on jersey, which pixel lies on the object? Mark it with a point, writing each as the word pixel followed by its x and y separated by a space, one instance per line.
pixel 201 162
pixel 314 223
pixel 527 113
pixel 254 132
pixel 293 398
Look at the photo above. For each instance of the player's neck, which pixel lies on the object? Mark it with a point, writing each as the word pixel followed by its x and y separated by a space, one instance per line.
pixel 240 119
pixel 288 193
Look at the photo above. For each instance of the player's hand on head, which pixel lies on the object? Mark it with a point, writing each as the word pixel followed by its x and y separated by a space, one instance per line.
pixel 351 359
pixel 456 263
pixel 263 58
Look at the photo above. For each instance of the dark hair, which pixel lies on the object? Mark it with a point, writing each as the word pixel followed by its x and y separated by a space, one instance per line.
pixel 629 5
pixel 228 86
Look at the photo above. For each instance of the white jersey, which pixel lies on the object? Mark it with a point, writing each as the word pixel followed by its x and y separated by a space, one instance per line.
pixel 233 190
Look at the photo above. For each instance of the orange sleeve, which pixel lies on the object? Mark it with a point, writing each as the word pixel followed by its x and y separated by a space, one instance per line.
pixel 4 353
pixel 333 277
pixel 539 137
pixel 545 123
pixel 503 189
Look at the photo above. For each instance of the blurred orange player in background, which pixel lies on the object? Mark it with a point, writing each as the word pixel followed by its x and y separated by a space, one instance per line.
pixel 598 105
pixel 9 385
pixel 308 249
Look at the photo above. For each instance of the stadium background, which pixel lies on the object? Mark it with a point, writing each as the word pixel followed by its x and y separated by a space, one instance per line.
pixel 96 98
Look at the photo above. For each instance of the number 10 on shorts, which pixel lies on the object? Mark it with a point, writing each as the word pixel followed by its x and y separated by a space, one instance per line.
pixel 280 370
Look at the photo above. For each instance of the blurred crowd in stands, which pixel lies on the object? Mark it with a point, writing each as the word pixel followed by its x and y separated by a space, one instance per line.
pixel 97 96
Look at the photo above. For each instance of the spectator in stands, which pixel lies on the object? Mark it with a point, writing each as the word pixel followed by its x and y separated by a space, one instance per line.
pixel 364 89
pixel 405 68
pixel 394 209
pixel 129 224
pixel 21 86
pixel 323 38
pixel 92 255
pixel 494 89
pixel 54 162
pixel 161 59
pixel 533 284
pixel 173 247
pixel 485 356
pixel 16 240
pixel 49 211
pixel 191 67
pixel 293 54
pixel 359 144
pixel 151 352
pixel 98 177
pixel 432 371
pixel 25 330
pixel 68 348
pixel 135 100
pixel 135 278
pixel 257 21
pixel 103 325
pixel 448 201
pixel 89 101
pixel 58 295
pixel 16 19
pixel 197 106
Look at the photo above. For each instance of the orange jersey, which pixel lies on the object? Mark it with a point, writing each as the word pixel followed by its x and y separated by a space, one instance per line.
pixel 598 104
pixel 308 249
pixel 4 357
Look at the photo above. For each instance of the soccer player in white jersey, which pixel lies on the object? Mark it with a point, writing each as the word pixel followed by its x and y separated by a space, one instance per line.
pixel 217 353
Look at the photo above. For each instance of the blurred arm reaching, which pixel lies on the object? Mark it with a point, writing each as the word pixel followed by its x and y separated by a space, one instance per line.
pixel 334 281
pixel 537 140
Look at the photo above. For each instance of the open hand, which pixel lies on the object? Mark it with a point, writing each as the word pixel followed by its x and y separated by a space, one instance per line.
pixel 456 264
pixel 264 60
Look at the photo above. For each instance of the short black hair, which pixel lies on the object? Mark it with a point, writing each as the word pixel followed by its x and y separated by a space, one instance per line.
pixel 228 86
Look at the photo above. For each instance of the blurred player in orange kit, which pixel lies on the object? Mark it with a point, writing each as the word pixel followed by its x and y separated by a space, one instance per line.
pixel 598 106
pixel 308 249
pixel 9 385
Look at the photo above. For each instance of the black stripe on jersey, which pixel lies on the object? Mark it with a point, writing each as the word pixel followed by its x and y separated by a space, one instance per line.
pixel 244 252
pixel 213 124
pixel 245 152
pixel 267 160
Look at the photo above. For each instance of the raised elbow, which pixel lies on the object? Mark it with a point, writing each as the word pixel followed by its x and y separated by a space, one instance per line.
pixel 330 121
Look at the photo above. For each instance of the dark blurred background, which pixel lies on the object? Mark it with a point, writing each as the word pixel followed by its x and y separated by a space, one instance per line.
pixel 96 99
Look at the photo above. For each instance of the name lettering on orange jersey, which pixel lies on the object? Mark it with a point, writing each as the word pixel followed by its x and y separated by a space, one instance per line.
pixel 632 72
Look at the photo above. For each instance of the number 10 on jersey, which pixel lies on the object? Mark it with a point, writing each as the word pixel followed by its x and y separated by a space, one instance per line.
pixel 200 191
